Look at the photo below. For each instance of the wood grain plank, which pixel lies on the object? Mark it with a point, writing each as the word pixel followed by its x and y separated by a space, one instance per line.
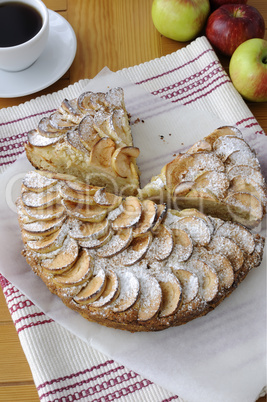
pixel 14 366
pixel 4 312
pixel 260 5
pixel 56 5
pixel 19 393
pixel 116 34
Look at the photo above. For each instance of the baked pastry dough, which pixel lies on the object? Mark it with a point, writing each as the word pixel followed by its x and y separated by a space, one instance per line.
pixel 89 137
pixel 130 258
pixel 220 175
pixel 129 263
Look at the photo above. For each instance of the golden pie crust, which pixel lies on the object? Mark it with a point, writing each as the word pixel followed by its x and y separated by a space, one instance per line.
pixel 130 258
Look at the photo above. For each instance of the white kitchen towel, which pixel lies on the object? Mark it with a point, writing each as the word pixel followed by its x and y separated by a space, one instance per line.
pixel 64 367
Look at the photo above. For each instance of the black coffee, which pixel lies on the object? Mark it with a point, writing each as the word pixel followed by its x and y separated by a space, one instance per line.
pixel 18 23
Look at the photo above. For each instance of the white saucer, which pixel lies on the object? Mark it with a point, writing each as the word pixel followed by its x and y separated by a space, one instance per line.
pixel 51 65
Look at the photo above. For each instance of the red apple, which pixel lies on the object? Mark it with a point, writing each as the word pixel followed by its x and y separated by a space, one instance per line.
pixel 218 3
pixel 232 24
pixel 248 70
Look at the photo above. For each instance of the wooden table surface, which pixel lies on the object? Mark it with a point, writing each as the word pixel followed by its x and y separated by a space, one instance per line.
pixel 117 34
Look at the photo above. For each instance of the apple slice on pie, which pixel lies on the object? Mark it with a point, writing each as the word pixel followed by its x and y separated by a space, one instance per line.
pixel 129 263
pixel 219 175
pixel 90 138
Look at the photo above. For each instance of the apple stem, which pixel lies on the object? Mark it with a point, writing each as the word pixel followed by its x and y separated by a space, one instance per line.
pixel 238 13
pixel 264 60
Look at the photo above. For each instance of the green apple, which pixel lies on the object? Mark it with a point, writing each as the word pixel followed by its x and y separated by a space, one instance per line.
pixel 248 69
pixel 181 20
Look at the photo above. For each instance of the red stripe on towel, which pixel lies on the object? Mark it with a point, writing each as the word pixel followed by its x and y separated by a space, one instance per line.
pixel 175 69
pixel 213 88
pixel 59 379
pixel 13 137
pixel 3 282
pixel 27 117
pixel 33 324
pixel 118 379
pixel 190 78
pixel 118 394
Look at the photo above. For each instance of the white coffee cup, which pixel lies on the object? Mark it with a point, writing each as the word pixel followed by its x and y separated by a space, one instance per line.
pixel 22 56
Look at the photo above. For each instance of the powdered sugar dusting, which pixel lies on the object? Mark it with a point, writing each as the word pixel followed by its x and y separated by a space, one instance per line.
pixel 33 180
pixel 239 234
pixel 184 260
pixel 38 140
pixel 224 146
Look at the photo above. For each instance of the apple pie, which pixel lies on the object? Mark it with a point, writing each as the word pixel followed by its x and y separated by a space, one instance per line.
pixel 130 258
pixel 90 138
pixel 220 175
pixel 129 263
